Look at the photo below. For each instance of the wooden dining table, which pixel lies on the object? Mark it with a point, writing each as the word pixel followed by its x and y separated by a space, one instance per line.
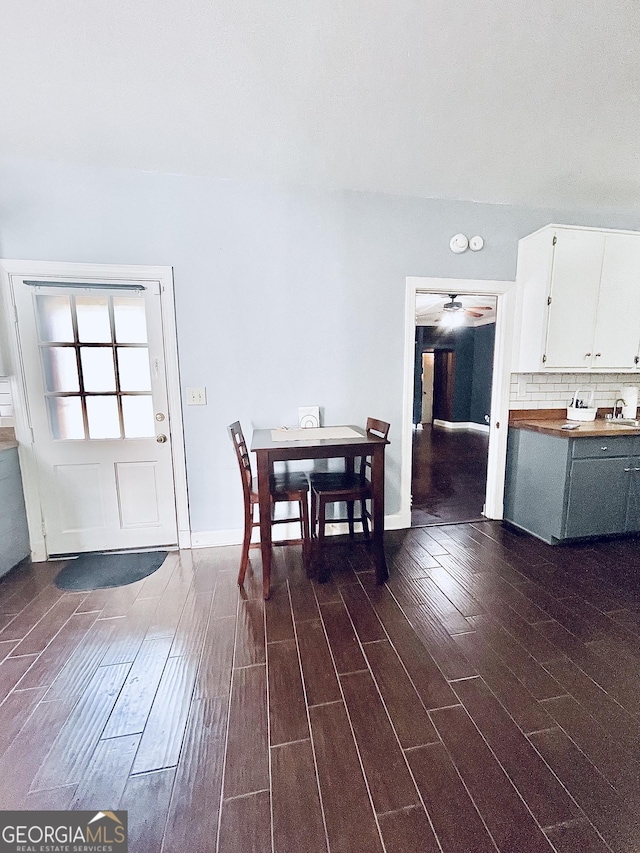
pixel 270 450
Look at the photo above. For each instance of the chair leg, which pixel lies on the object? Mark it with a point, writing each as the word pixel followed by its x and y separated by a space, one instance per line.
pixel 248 527
pixel 322 508
pixel 365 523
pixel 350 505
pixel 306 538
pixel 323 574
pixel 314 511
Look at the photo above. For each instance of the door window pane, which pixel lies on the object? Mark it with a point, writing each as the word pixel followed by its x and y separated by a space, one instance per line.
pixel 133 367
pixel 94 325
pixel 54 318
pixel 60 368
pixel 129 319
pixel 103 380
pixel 65 417
pixel 137 413
pixel 102 414
pixel 97 368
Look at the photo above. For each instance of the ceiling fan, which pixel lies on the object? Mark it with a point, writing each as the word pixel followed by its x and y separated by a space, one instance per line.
pixel 454 306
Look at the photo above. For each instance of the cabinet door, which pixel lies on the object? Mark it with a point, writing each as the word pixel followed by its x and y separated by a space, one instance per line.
pixel 633 510
pixel 14 535
pixel 598 496
pixel 617 334
pixel 575 282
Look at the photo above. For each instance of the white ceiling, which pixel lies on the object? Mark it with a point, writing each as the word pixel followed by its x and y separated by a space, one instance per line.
pixel 534 102
pixel 429 309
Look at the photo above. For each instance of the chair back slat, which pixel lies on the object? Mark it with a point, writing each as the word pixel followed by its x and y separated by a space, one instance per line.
pixel 376 427
pixel 242 454
pixel 380 429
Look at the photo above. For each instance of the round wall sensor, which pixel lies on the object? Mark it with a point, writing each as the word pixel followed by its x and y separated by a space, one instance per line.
pixel 476 243
pixel 459 243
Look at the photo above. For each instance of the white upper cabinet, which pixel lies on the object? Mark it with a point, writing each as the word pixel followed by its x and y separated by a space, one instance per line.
pixel 617 330
pixel 575 281
pixel 578 301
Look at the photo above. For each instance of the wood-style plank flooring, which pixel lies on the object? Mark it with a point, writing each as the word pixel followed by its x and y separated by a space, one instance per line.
pixel 487 698
pixel 448 476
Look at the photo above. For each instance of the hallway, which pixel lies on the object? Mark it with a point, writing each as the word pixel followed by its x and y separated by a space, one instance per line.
pixel 449 474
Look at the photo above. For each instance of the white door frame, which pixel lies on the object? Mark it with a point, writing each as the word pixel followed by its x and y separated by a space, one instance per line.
pixel 504 291
pixel 112 273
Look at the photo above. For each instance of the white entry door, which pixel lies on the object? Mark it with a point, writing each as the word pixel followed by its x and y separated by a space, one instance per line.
pixel 93 367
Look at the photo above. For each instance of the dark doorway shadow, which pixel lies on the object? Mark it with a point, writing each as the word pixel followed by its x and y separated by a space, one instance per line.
pixel 449 476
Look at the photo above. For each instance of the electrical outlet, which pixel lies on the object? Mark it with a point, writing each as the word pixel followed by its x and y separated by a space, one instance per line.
pixel 196 396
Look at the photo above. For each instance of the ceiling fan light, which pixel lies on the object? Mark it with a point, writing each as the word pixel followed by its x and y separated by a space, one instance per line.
pixel 452 319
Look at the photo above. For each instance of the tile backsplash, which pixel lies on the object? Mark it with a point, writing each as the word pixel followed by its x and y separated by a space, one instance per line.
pixel 555 390
pixel 6 405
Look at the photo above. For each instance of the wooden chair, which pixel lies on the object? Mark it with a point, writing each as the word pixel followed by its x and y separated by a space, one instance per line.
pixel 346 486
pixel 292 487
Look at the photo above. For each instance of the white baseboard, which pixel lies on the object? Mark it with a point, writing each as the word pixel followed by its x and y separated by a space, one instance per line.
pixel 184 539
pixel 391 522
pixel 469 426
pixel 217 538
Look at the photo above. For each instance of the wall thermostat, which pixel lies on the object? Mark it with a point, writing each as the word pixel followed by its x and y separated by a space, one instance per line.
pixel 308 417
pixel 459 243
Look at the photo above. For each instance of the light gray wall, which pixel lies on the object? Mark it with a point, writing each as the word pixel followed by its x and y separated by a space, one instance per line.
pixel 284 297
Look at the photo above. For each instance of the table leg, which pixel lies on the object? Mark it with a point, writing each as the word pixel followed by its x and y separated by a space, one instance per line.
pixel 377 512
pixel 264 502
pixel 349 469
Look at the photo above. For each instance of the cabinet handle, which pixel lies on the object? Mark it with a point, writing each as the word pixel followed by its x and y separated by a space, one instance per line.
pixel 631 469
pixel 604 447
pixel 587 355
pixel 598 354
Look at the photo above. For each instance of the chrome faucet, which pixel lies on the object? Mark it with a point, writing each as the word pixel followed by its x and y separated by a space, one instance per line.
pixel 615 406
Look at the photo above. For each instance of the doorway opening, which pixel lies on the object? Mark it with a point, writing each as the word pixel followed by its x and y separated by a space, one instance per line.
pixel 454 345
pixel 487 425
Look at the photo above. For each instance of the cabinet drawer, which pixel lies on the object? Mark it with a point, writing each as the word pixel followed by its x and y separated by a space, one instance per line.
pixel 584 448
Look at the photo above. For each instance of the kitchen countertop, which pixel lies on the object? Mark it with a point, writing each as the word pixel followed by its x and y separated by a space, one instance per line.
pixel 586 429
pixel 7 438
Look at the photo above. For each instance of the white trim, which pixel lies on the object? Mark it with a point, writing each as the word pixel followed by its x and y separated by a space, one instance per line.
pixel 581 228
pixel 217 538
pixel 467 426
pixel 113 273
pixel 497 456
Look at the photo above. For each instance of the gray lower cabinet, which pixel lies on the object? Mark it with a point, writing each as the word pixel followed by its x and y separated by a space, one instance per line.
pixel 14 535
pixel 597 497
pixel 567 488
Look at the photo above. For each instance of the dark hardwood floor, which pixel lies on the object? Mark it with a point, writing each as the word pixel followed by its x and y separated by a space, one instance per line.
pixel 487 698
pixel 448 476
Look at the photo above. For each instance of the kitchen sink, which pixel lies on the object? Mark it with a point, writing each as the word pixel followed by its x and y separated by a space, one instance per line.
pixel 624 422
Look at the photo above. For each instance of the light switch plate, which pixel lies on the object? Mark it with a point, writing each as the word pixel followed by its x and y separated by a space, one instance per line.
pixel 196 396
pixel 309 416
